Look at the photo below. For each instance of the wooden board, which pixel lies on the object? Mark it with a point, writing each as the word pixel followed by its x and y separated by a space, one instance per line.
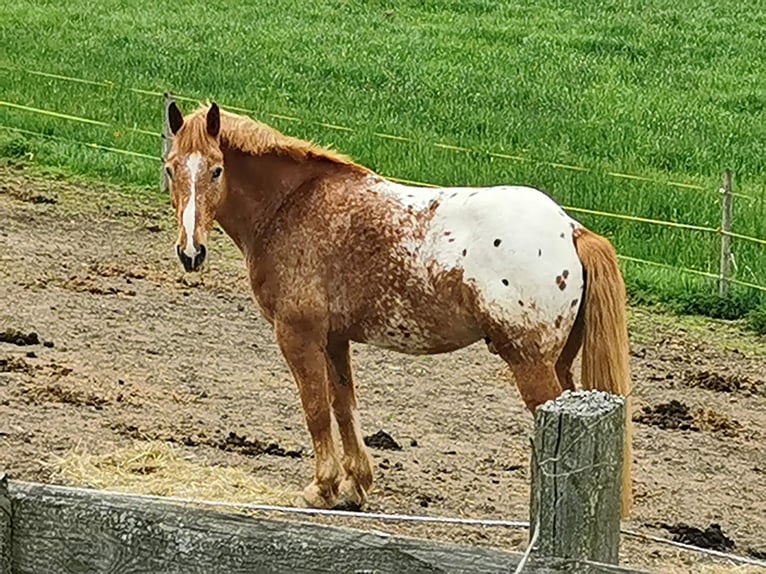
pixel 61 530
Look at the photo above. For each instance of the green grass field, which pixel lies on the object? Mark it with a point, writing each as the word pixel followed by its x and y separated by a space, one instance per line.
pixel 675 95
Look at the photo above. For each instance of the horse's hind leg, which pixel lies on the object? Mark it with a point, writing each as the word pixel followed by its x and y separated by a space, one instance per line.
pixel 535 374
pixel 568 354
pixel 303 345
pixel 353 489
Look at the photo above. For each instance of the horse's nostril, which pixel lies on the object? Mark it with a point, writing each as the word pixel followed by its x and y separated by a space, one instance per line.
pixel 199 259
pixel 185 259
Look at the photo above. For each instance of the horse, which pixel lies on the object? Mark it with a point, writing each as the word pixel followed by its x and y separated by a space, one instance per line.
pixel 336 253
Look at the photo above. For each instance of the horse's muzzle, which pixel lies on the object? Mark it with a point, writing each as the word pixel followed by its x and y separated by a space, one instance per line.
pixel 192 263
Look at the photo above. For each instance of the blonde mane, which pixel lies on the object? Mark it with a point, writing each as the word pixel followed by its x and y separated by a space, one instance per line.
pixel 254 138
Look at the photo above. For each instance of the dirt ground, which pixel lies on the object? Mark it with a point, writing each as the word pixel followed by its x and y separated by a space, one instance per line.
pixel 129 348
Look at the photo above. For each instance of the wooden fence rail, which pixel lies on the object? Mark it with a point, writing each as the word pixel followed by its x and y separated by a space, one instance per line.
pixel 54 529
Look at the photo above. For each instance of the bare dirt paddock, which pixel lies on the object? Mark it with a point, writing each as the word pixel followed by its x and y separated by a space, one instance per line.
pixel 131 355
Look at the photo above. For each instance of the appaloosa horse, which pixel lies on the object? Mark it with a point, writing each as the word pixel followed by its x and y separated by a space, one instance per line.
pixel 336 253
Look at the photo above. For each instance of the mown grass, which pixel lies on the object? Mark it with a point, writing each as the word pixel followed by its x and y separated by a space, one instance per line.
pixel 673 93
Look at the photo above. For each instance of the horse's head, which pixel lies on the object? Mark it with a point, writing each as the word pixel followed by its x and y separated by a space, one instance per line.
pixel 195 171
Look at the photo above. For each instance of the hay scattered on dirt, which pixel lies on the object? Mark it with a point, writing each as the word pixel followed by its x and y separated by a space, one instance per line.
pixel 159 468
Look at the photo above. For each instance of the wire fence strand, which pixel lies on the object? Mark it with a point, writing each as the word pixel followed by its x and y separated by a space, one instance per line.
pixel 687 270
pixel 596 213
pixel 92 145
pixel 441 145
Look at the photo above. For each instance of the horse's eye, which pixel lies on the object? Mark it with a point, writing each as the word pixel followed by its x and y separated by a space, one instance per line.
pixel 217 172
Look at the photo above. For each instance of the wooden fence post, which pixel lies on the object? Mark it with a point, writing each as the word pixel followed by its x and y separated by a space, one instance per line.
pixel 577 461
pixel 167 143
pixel 5 526
pixel 726 213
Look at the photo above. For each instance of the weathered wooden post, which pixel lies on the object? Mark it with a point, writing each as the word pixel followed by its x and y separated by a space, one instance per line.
pixel 577 463
pixel 726 214
pixel 167 143
pixel 5 526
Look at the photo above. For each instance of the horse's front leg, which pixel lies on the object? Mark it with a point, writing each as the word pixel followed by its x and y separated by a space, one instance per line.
pixel 303 345
pixel 356 460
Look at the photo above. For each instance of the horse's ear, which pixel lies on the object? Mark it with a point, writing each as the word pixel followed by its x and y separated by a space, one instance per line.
pixel 213 120
pixel 175 118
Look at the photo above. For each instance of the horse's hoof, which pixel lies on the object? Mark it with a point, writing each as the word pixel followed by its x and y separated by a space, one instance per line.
pixel 350 496
pixel 348 505
pixel 312 498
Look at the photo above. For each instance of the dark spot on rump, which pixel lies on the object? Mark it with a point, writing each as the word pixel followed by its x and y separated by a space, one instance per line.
pixel 454 195
pixel 563 285
pixel 498 242
pixel 406 335
pixel 505 282
pixel 539 252
pixel 557 322
pixel 565 273
pixel 474 193
pixel 451 239
pixel 572 225
pixel 447 233
pixel 521 302
pixel 575 302
pixel 562 236
pixel 558 280
pixel 401 327
pixel 465 252
pixel 391 333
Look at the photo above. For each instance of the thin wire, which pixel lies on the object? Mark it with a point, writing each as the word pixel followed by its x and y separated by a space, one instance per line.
pixel 298 510
pixel 80 119
pixel 82 143
pixel 517 524
pixel 644 219
pixel 692 271
pixel 711 552
pixel 621 216
pixel 528 551
pixel 441 145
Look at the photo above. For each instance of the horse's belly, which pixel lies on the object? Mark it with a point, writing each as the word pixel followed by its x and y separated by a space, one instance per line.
pixel 422 328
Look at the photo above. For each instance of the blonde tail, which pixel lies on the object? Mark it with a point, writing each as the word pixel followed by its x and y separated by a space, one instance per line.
pixel 605 354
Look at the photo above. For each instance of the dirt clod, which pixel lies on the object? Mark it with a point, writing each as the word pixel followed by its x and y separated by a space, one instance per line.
pixel 678 415
pixel 42 199
pixel 14 365
pixel 671 415
pixel 237 443
pixel 713 381
pixel 16 337
pixel 381 440
pixel 711 538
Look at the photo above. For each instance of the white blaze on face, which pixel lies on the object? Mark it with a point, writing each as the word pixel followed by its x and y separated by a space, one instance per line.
pixel 193 164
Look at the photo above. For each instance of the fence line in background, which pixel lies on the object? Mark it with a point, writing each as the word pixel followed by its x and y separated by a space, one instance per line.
pixel 80 119
pixel 411 182
pixel 451 147
pixel 622 216
pixel 692 271
pixel 92 145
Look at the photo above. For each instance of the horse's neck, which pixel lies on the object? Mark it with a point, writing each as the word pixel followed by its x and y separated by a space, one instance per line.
pixel 257 187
